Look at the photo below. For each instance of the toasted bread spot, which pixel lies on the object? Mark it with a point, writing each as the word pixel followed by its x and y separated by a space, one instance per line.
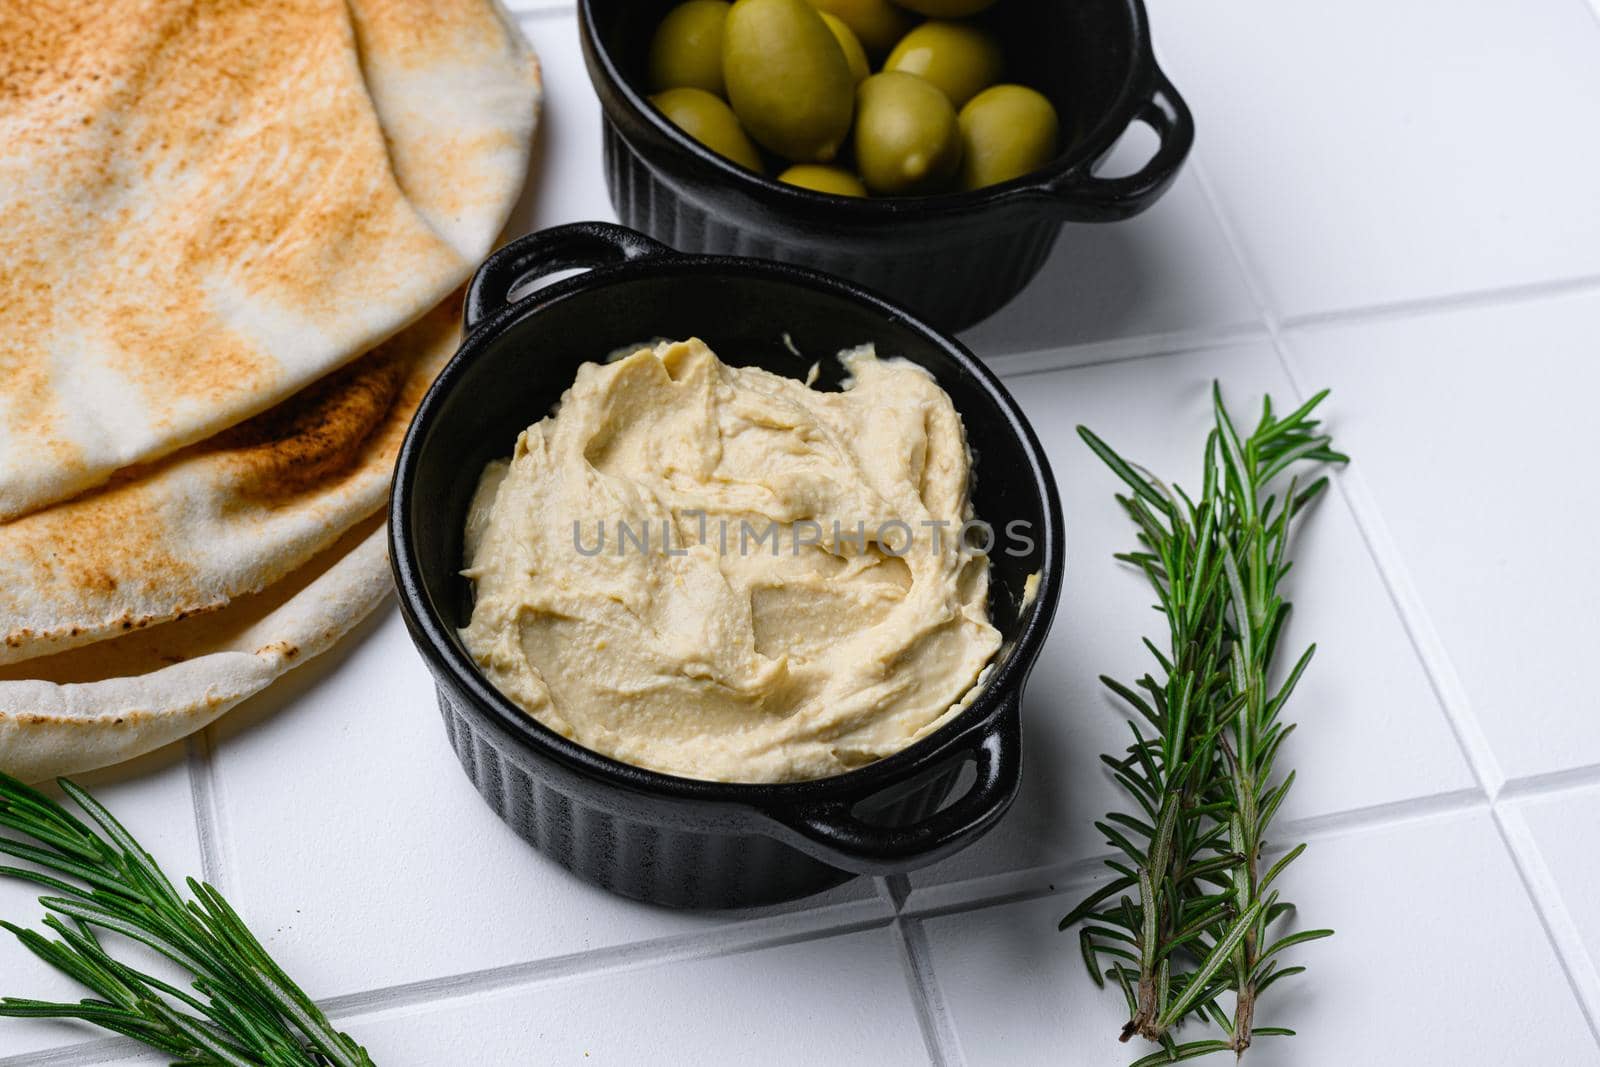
pixel 336 437
pixel 223 228
pixel 316 433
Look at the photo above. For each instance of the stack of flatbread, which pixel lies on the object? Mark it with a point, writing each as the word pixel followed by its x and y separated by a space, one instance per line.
pixel 233 235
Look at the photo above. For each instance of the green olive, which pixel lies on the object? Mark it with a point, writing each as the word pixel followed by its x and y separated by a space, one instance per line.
pixel 854 54
pixel 878 24
pixel 711 122
pixel 958 57
pixel 907 138
pixel 788 79
pixel 823 179
pixel 946 9
pixel 1006 132
pixel 686 51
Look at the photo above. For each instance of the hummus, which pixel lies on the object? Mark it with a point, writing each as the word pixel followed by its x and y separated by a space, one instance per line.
pixel 724 574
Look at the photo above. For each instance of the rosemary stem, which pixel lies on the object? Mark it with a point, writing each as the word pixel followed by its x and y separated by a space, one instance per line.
pixel 1204 782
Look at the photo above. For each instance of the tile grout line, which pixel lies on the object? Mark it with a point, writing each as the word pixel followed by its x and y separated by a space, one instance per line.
pixel 938 1030
pixel 933 1011
pixel 754 936
pixel 1467 300
pixel 1023 362
pixel 207 808
pixel 83 1054
pixel 1008 887
pixel 1385 556
pixel 1551 783
pixel 1028 361
pixel 1526 857
pixel 1554 915
pixel 943 1045
pixel 1067 879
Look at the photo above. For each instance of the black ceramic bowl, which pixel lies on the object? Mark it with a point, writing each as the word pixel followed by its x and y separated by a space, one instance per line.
pixel 654 836
pixel 952 259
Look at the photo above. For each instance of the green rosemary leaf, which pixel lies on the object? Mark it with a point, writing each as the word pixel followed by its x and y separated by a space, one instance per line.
pixel 50 859
pixel 1091 959
pixel 1269 805
pixel 241 1009
pixel 1123 982
pixel 1214 963
pixel 1137 791
pixel 1298 938
pixel 39 879
pixel 1160 657
pixel 1268 981
pixel 1106 931
pixel 1136 825
pixel 1202 789
pixel 1191 1051
pixel 1133 699
pixel 1117 840
pixel 1277 868
pixel 1084 910
pixel 1124 470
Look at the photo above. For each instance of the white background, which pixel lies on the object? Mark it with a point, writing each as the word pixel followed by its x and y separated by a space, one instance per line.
pixel 1394 198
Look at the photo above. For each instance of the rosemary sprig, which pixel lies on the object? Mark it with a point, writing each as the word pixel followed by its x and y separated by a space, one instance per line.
pixel 1187 918
pixel 241 1009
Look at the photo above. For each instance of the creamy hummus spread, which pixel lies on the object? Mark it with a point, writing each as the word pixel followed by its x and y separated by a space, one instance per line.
pixel 722 573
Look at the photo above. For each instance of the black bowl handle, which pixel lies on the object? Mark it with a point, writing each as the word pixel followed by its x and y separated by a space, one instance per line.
pixel 1087 198
pixel 579 245
pixel 831 833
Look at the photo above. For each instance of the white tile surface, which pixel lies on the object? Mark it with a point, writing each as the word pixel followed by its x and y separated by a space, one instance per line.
pixel 1472 430
pixel 1386 150
pixel 842 1000
pixel 151 797
pixel 523 8
pixel 1365 681
pixel 1166 271
pixel 1414 974
pixel 1566 828
pixel 370 860
pixel 1361 155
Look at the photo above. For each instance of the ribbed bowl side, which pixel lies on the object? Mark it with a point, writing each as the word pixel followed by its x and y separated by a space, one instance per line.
pixel 953 287
pixel 659 864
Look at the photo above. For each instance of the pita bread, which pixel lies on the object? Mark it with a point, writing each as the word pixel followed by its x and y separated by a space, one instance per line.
pixel 200 218
pixel 231 515
pixel 222 519
pixel 201 531
pixel 120 699
pixel 457 91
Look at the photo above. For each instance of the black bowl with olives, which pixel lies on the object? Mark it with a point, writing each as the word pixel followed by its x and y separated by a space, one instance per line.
pixel 928 149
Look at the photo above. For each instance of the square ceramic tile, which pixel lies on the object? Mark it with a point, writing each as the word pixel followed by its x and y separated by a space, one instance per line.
pixel 1566 829
pixel 1412 976
pixel 566 181
pixel 1391 150
pixel 370 860
pixel 1473 430
pixel 1166 271
pixel 838 1000
pixel 1365 681
pixel 152 798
